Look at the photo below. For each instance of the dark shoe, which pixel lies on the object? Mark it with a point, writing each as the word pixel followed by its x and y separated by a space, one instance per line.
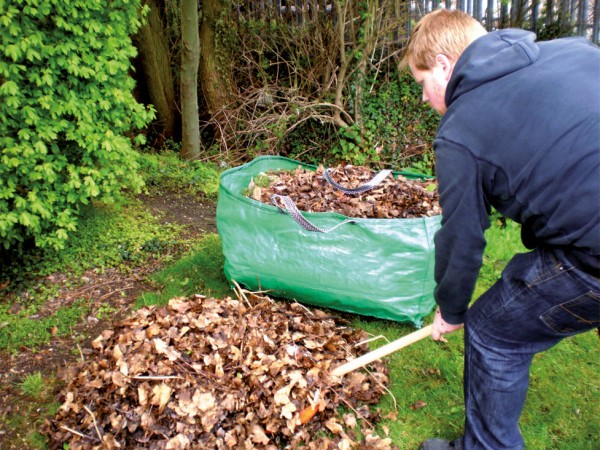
pixel 440 444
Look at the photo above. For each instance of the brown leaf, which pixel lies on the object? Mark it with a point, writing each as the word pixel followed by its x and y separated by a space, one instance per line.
pixel 161 395
pixel 153 330
pixel 204 400
pixel 258 435
pixel 418 405
pixel 350 420
pixel 164 349
pixel 178 442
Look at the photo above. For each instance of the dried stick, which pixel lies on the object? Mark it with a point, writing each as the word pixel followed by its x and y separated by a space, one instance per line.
pixel 71 430
pixel 155 377
pixel 94 421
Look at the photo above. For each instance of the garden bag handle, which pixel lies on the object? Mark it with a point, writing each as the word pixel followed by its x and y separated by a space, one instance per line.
pixel 360 189
pixel 292 209
pixel 287 204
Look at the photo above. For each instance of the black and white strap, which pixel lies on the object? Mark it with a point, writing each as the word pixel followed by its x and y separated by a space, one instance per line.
pixel 360 189
pixel 290 207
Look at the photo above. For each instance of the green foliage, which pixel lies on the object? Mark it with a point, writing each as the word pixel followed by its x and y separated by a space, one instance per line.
pixel 353 146
pixel 25 329
pixel 108 236
pixel 122 236
pixel 21 421
pixel 423 165
pixel 167 171
pixel 558 28
pixel 33 385
pixel 397 122
pixel 397 131
pixel 67 113
pixel 198 272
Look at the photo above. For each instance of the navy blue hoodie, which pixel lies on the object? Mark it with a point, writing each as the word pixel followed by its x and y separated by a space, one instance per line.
pixel 522 135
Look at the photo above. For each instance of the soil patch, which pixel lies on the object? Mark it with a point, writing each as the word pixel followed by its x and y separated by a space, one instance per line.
pixel 197 213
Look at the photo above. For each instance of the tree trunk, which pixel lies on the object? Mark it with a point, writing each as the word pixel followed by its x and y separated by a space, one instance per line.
pixel 155 58
pixel 216 78
pixel 190 59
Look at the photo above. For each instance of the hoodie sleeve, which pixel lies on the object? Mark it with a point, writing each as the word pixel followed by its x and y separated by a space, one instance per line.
pixel 460 241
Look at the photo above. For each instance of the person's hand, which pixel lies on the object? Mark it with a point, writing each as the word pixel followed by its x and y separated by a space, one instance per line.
pixel 441 327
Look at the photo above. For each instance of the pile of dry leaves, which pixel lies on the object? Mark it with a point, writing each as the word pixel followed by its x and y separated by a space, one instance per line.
pixel 226 373
pixel 393 198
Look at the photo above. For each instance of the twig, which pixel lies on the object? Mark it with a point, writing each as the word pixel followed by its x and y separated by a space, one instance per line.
pixel 384 388
pixel 351 407
pixel 308 311
pixel 374 338
pixel 94 420
pixel 155 377
pixel 71 430
pixel 94 286
pixel 126 288
pixel 240 293
pixel 80 353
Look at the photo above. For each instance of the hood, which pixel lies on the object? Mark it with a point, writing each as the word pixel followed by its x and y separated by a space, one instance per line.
pixel 490 57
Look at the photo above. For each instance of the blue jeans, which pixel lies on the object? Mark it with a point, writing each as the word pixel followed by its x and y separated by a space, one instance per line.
pixel 540 300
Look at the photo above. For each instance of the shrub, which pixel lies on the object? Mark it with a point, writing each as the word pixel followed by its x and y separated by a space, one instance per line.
pixel 168 171
pixel 397 131
pixel 67 113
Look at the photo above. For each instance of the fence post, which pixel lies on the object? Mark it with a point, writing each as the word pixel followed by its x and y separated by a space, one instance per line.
pixel 596 21
pixel 549 12
pixel 583 9
pixel 535 11
pixel 478 9
pixel 489 16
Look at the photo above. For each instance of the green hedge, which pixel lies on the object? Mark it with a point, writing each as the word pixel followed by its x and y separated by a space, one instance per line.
pixel 68 118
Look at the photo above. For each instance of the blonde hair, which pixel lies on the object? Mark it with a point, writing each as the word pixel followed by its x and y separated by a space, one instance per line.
pixel 446 32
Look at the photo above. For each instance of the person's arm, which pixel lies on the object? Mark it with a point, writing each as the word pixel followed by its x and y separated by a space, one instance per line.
pixel 460 241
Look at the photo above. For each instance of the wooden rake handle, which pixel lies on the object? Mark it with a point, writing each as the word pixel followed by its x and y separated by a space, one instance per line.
pixel 307 413
pixel 393 346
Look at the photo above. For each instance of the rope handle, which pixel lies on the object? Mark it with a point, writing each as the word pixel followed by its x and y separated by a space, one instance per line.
pixel 288 205
pixel 360 189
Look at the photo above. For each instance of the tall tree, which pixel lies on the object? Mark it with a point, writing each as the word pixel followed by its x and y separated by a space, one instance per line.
pixel 153 46
pixel 215 67
pixel 190 60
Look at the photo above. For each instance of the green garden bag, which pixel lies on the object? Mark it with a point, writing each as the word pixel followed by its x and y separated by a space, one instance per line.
pixel 374 267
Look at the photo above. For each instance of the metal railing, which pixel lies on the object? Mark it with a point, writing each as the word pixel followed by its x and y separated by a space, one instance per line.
pixel 547 18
